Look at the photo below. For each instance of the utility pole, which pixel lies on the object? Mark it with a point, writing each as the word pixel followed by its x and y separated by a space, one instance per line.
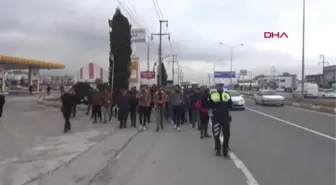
pixel 173 68
pixel 273 72
pixel 324 63
pixel 303 48
pixel 148 53
pixel 160 34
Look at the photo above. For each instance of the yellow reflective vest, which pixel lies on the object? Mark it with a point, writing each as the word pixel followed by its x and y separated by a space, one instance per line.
pixel 215 97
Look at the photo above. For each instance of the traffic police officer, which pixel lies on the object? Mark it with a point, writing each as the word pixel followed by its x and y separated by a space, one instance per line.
pixel 221 104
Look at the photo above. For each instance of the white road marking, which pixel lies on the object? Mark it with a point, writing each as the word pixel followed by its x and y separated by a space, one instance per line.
pixel 292 124
pixel 250 180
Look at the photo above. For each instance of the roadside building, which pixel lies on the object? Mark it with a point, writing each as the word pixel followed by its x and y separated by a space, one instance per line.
pixel 285 82
pixel 315 78
pixel 329 75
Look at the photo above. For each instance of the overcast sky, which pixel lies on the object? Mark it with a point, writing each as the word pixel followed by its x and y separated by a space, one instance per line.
pixel 76 32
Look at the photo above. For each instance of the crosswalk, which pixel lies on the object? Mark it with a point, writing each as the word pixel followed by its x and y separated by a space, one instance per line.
pixel 47 156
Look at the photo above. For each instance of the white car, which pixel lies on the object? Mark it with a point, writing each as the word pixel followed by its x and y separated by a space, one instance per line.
pixel 238 101
pixel 331 95
pixel 268 97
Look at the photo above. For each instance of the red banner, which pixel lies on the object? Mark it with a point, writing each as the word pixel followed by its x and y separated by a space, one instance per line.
pixel 147 74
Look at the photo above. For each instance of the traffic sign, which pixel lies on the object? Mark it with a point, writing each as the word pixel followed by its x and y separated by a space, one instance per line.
pixel 224 74
pixel 243 72
pixel 147 74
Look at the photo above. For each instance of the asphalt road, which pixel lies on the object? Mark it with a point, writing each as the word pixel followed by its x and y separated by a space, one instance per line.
pixel 270 146
pixel 285 145
pixel 170 157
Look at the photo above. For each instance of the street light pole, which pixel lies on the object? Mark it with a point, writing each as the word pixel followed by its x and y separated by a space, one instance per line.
pixel 303 47
pixel 231 56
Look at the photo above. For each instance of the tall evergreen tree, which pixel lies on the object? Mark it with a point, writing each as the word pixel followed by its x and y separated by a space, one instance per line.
pixel 120 51
pixel 164 75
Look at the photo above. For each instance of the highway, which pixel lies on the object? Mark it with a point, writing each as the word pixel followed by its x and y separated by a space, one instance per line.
pixel 269 146
pixel 285 145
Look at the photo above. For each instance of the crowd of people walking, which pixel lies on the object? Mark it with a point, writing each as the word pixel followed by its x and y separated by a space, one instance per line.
pixel 175 105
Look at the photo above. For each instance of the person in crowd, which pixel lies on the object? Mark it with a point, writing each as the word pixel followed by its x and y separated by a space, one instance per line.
pixel 189 93
pixel 124 107
pixel 67 104
pixel 143 97
pixel 194 97
pixel 62 89
pixel 30 89
pixel 151 103
pixel 168 111
pixel 113 108
pixel 176 100
pixel 106 104
pixel 133 104
pixel 203 106
pixel 221 104
pixel 185 105
pixel 75 102
pixel 160 100
pixel 48 90
pixel 2 102
pixel 96 106
pixel 89 104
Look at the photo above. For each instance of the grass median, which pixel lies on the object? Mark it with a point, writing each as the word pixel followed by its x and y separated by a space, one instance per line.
pixel 319 102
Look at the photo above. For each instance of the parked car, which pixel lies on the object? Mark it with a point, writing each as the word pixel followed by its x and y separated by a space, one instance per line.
pixel 268 97
pixel 331 95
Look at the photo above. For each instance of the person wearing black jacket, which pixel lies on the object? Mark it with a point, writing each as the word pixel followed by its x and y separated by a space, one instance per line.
pixel 203 106
pixel 2 102
pixel 67 104
pixel 221 104
pixel 194 97
pixel 123 105
pixel 75 101
pixel 133 104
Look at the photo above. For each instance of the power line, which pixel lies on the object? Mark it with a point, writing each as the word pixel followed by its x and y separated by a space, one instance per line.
pixel 132 14
pixel 161 17
pixel 159 9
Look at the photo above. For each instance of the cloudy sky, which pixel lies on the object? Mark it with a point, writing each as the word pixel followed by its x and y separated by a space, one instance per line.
pixel 75 32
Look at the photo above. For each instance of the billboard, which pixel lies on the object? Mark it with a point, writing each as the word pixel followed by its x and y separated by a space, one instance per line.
pixel 138 35
pixel 134 69
pixel 224 74
pixel 147 74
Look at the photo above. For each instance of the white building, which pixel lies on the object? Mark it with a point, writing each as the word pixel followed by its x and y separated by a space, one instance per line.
pixel 283 82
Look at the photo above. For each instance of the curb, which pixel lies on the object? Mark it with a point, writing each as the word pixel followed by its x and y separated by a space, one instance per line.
pixel 317 108
pixel 41 175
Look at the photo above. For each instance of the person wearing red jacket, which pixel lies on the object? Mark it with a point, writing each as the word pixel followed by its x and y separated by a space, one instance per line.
pixel 203 106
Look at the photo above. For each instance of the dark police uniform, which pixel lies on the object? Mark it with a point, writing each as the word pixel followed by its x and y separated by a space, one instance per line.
pixel 221 104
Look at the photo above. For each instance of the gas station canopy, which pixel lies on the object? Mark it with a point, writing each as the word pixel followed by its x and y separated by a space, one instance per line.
pixel 8 62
